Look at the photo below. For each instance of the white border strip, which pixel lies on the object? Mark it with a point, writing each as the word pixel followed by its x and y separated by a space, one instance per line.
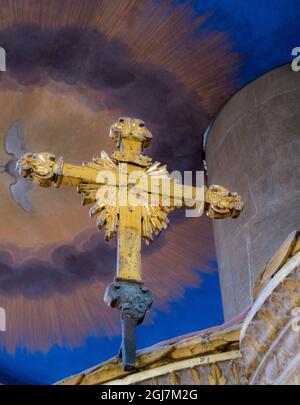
pixel 180 365
pixel 265 293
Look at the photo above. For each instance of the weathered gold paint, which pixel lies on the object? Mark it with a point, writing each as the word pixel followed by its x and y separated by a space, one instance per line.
pixel 108 182
pixel 129 265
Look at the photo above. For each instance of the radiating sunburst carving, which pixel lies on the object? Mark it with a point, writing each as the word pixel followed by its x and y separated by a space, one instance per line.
pixel 105 199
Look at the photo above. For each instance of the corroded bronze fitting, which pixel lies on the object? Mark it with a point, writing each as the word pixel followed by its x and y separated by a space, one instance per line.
pixel 133 300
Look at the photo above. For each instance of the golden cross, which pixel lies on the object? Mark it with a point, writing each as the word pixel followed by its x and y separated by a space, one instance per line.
pixel 132 197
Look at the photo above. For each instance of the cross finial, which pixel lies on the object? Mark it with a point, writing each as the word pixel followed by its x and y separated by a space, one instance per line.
pixel 130 132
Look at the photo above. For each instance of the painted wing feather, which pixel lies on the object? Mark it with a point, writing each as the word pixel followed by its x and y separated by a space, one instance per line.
pixel 14 142
pixel 20 193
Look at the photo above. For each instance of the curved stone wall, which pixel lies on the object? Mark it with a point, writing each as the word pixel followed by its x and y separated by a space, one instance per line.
pixel 253 147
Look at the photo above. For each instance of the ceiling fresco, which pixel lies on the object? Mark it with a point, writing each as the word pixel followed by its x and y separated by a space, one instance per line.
pixel 73 67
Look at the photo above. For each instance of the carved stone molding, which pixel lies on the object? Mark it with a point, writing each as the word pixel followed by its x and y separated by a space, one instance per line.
pixel 270 335
pixel 208 357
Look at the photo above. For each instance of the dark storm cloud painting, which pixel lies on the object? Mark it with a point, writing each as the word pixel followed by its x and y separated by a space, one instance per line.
pixel 76 56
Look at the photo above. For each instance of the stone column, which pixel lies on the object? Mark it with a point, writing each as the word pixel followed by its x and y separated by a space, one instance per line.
pixel 253 147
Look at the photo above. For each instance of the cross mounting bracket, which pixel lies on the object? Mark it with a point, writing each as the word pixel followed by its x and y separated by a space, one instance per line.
pixel 134 300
